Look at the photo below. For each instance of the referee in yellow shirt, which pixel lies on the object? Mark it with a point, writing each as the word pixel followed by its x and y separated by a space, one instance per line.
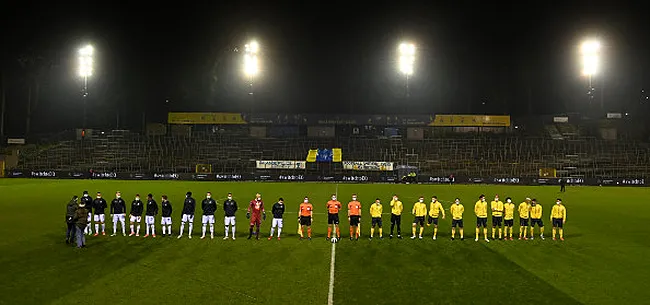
pixel 419 211
pixel 497 216
pixel 480 209
pixel 396 208
pixel 435 209
pixel 375 214
pixel 508 217
pixel 558 218
pixel 457 211
pixel 536 218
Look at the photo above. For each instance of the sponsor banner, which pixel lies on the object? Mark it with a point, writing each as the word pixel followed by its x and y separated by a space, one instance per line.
pixel 165 176
pixel 355 178
pixel 337 119
pixel 104 175
pixel 43 174
pixel 210 118
pixel 230 177
pixel 454 120
pixel 275 164
pixel 614 115
pixel 561 119
pixel 368 166
pixel 16 141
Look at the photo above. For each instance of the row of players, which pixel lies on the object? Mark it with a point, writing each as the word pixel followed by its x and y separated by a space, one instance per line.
pixel 502 216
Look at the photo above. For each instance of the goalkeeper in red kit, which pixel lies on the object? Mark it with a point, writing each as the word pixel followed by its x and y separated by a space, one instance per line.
pixel 256 214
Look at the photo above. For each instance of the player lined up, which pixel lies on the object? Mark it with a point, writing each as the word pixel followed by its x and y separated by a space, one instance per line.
pixel 530 215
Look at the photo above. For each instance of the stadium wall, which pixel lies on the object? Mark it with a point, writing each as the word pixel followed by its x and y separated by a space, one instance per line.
pixel 369 177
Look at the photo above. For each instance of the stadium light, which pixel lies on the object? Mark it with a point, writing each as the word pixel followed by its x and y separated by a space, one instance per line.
pixel 251 63
pixel 85 71
pixel 406 62
pixel 590 53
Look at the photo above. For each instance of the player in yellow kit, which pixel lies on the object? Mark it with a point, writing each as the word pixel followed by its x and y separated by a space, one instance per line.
pixel 375 214
pixel 457 211
pixel 435 209
pixel 497 216
pixel 396 208
pixel 524 214
pixel 419 211
pixel 558 218
pixel 508 217
pixel 536 218
pixel 480 209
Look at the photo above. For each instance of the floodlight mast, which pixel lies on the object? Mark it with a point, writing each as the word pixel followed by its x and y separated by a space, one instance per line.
pixel 85 71
pixel 590 52
pixel 251 63
pixel 406 62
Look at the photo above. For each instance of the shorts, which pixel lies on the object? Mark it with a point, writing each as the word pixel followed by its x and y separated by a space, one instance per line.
pixel 229 220
pixel 207 219
pixel 481 222
pixel 305 220
pixel 135 218
pixel 432 220
pixel 354 220
pixel 376 221
pixel 456 223
pixel 100 218
pixel 119 217
pixel 395 219
pixel 497 221
pixel 509 222
pixel 332 219
pixel 150 219
pixel 536 221
pixel 558 223
pixel 256 220
pixel 187 218
pixel 523 222
pixel 166 221
pixel 90 217
pixel 277 222
pixel 419 219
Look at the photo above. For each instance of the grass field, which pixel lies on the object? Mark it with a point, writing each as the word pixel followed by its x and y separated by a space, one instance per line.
pixel 603 260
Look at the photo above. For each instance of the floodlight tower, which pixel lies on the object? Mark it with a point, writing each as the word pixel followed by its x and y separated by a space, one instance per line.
pixel 406 62
pixel 590 52
pixel 85 71
pixel 251 63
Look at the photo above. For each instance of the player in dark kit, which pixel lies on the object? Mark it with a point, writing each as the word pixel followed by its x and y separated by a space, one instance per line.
pixel 277 210
pixel 256 214
pixel 150 216
pixel 229 209
pixel 100 217
pixel 88 204
pixel 166 220
pixel 118 212
pixel 137 208
pixel 209 206
pixel 188 214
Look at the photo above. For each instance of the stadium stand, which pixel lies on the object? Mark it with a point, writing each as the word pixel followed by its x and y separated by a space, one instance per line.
pixel 226 152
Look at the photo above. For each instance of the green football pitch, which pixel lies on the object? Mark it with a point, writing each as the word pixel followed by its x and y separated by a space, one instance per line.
pixel 604 259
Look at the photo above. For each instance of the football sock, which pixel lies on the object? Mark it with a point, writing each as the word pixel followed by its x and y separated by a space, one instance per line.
pixel 500 233
pixel 381 232
pixel 132 229
pixel 477 232
pixel 351 232
pixel 153 229
pixel 164 231
pixel 453 232
pixel 203 230
pixel 257 231
pixel 372 232
pixel 485 232
pixel 461 233
pixel 510 232
pixel 103 227
pixel 532 231
pixel 358 230
pixel 233 231
pixel 114 227
pixel 137 230
pixel 493 231
pixel 338 232
pixel 123 228
pixel 189 230
pixel 421 231
pixel 250 231
pixel 553 232
pixel 169 229
pixel 211 230
pixel 96 228
pixel 226 229
pixel 541 231
pixel 309 232
pixel 435 231
pixel 561 233
pixel 146 229
pixel 329 232
pixel 272 231
pixel 182 228
pixel 413 231
pixel 279 231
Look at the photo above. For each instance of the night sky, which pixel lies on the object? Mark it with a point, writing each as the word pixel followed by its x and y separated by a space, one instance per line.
pixel 321 57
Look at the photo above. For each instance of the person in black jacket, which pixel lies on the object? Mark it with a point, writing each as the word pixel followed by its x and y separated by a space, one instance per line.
pixel 562 185
pixel 188 214
pixel 209 206
pixel 150 216
pixel 99 204
pixel 118 212
pixel 166 220
pixel 136 215
pixel 277 210
pixel 70 211
pixel 81 221
pixel 229 208
pixel 88 204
